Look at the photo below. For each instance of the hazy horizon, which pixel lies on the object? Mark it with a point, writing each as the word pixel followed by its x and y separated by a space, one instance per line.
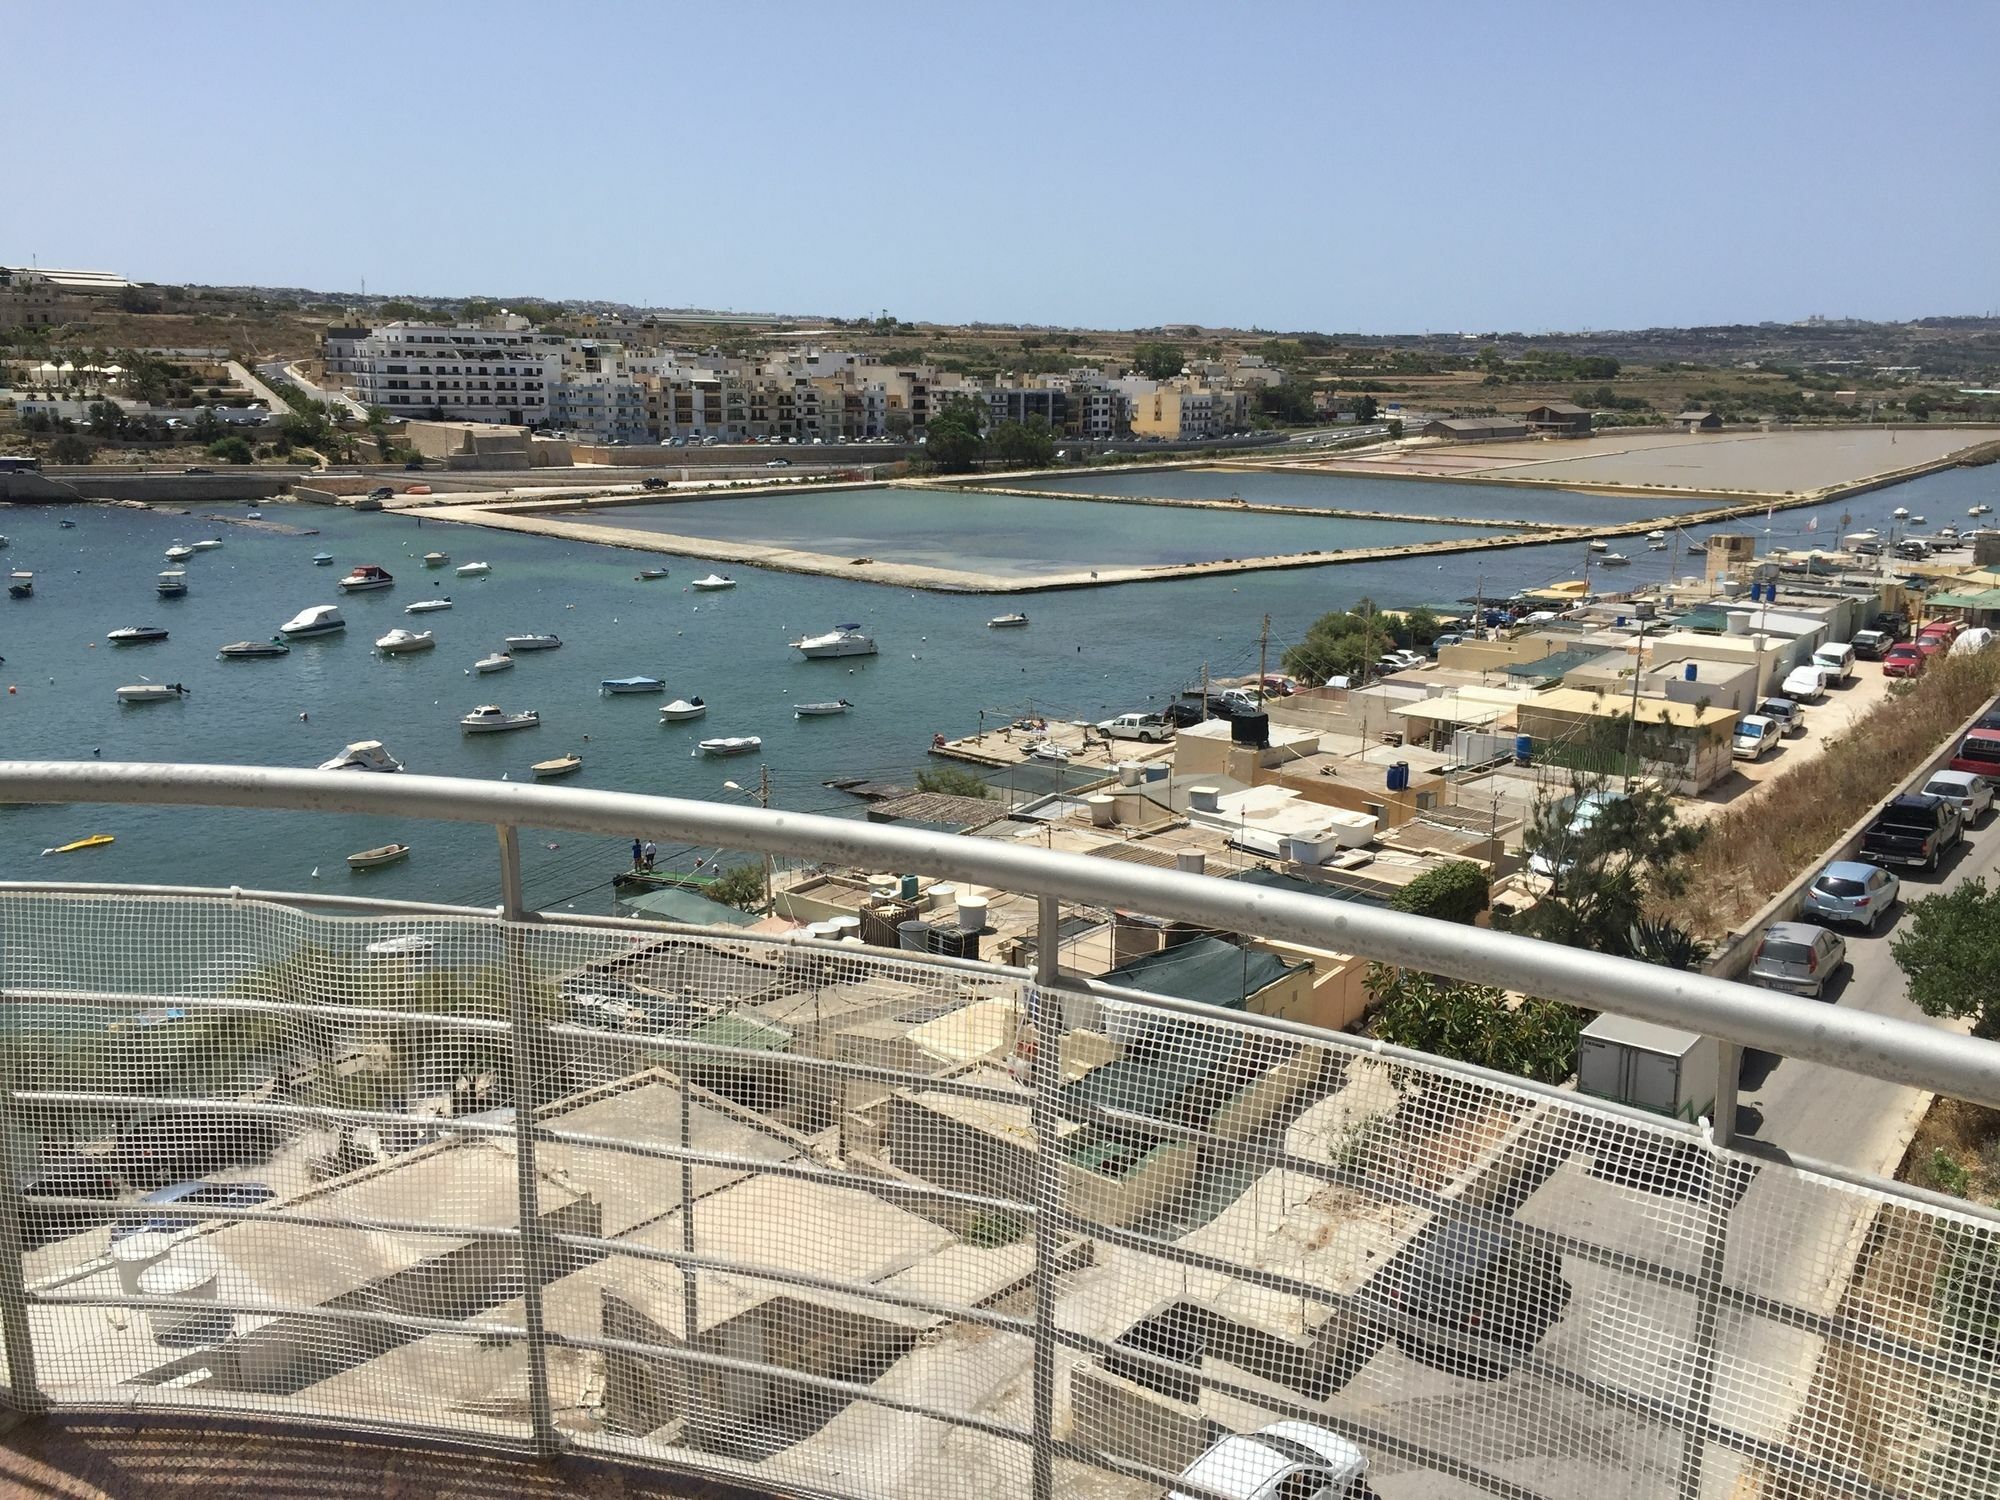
pixel 1445 169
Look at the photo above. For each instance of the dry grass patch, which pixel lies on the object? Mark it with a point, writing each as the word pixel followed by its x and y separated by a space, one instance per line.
pixel 1758 846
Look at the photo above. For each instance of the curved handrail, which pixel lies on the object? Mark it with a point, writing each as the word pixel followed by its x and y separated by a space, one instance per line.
pixel 1879 1046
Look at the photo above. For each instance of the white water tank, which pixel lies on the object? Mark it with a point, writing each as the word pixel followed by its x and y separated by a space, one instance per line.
pixel 846 928
pixel 191 1272
pixel 1205 799
pixel 1130 772
pixel 942 895
pixel 971 913
pixel 1190 861
pixel 1103 809
pixel 1738 621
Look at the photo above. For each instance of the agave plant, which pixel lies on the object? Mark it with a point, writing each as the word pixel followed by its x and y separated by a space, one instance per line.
pixel 1667 944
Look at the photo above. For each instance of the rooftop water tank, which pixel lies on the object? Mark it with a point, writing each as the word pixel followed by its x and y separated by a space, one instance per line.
pixel 1190 861
pixel 1130 772
pixel 1399 776
pixel 1103 809
pixel 1738 621
pixel 1689 671
pixel 1524 749
pixel 911 935
pixel 1204 799
pixel 972 913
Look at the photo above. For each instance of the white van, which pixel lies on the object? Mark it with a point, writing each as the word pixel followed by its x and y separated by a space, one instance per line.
pixel 1838 659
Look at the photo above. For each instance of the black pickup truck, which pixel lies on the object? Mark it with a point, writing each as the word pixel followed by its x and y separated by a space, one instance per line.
pixel 1913 830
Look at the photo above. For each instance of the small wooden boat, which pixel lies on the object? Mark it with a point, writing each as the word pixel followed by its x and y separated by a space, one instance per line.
pixel 473 569
pixel 562 765
pixel 426 606
pixel 630 685
pixel 735 744
pixel 151 692
pixel 682 709
pixel 533 642
pixel 137 635
pixel 253 650
pixel 488 719
pixel 20 585
pixel 436 559
pixel 821 710
pixel 713 582
pixel 651 573
pixel 95 841
pixel 499 661
pixel 1004 622
pixel 368 859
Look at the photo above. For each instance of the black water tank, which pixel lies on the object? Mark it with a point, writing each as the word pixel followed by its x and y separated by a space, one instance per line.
pixel 952 942
pixel 1251 729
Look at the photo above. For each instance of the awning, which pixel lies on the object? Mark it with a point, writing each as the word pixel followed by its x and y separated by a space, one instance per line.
pixel 1449 708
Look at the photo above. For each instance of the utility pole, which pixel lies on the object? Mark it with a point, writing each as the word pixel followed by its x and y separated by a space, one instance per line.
pixel 1263 650
pixel 1632 724
pixel 1204 692
pixel 764 801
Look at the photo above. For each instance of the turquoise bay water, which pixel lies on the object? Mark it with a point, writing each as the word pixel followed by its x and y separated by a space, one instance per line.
pixel 1088 653
pixel 1007 535
pixel 1410 497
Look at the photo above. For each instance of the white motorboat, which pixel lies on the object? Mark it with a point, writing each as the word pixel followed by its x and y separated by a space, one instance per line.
pixel 562 765
pixel 1977 510
pixel 1901 512
pixel 207 544
pixel 253 515
pixel 436 559
pixel 735 744
pixel 533 642
pixel 151 692
pixel 363 755
pixel 20 585
pixel 630 685
pixel 1656 546
pixel 490 719
pixel 253 650
pixel 474 569
pixel 842 640
pixel 821 710
pixel 426 606
pixel 137 635
pixel 1918 521
pixel 172 584
pixel 682 709
pixel 366 577
pixel 1614 560
pixel 387 854
pixel 403 642
pixel 1003 622
pixel 649 574
pixel 1656 536
pixel 499 661
pixel 179 552
pixel 1050 752
pixel 322 559
pixel 410 946
pixel 1600 545
pixel 316 619
pixel 713 582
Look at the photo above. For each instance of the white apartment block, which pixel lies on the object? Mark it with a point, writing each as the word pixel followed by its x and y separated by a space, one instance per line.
pixel 500 370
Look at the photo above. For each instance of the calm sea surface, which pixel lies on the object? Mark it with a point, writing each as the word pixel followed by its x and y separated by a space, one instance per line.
pixel 1087 653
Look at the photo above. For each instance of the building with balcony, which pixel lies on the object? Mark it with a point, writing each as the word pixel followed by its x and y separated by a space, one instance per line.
pixel 500 370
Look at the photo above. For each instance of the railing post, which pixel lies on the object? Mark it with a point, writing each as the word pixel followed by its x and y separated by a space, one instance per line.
pixel 527 1035
pixel 689 1321
pixel 24 1392
pixel 1727 1180
pixel 1045 1014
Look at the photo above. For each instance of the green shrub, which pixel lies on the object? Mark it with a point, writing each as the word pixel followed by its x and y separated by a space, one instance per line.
pixel 1454 892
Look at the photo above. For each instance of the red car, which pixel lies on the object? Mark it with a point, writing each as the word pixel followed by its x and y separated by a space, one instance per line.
pixel 1931 645
pixel 1906 660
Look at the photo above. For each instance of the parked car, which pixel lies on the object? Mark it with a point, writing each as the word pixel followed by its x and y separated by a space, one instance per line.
pixel 158 1148
pixel 1849 891
pixel 1487 1297
pixel 1979 751
pixel 1449 638
pixel 1968 791
pixel 1787 714
pixel 150 1214
pixel 777 463
pixel 197 469
pixel 1913 830
pixel 42 1222
pixel 1975 640
pixel 1872 645
pixel 1947 629
pixel 1798 957
pixel 1929 646
pixel 1904 660
pixel 1806 684
pixel 1148 729
pixel 1283 687
pixel 1189 710
pixel 1754 735
pixel 1240 701
pixel 1586 810
pixel 1837 660
pixel 1284 1461
pixel 382 492
pixel 654 482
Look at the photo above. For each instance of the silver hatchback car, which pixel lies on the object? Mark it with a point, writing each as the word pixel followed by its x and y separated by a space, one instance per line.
pixel 1849 891
pixel 1799 957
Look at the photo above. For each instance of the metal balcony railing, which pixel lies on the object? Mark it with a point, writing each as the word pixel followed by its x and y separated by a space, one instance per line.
pixel 829 1219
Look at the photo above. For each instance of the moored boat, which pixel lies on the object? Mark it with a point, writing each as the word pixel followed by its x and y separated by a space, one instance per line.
pixel 499 661
pixel 365 577
pixel 630 685
pixel 436 559
pixel 842 640
pixel 95 841
pixel 1614 560
pixel 137 635
pixel 1003 622
pixel 1049 751
pixel 713 582
pixel 386 854
pixel 562 765
pixel 20 585
pixel 151 692
pixel 489 718
pixel 682 709
pixel 735 744
pixel 1600 545
pixel 426 606
pixel 206 544
pixel 821 710
pixel 179 552
pixel 533 642
pixel 363 755
pixel 322 559
pixel 652 573
pixel 403 642
pixel 253 650
pixel 473 569
pixel 314 619
pixel 172 583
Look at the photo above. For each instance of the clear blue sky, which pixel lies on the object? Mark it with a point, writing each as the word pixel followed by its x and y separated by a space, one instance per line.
pixel 1385 167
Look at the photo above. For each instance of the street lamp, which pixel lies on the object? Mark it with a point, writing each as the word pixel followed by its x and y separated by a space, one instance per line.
pixel 763 796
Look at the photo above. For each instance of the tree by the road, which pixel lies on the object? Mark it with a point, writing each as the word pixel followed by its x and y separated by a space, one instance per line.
pixel 1029 445
pixel 72 448
pixel 1948 948
pixel 1606 854
pixel 1475 1023
pixel 1365 408
pixel 951 437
